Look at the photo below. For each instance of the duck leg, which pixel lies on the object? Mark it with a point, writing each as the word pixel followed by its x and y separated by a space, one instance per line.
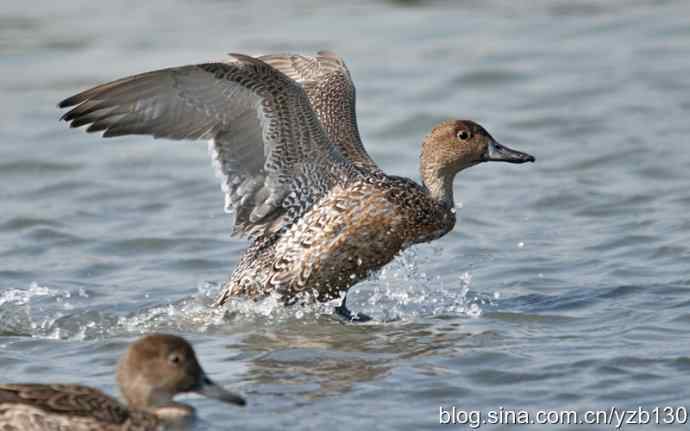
pixel 344 313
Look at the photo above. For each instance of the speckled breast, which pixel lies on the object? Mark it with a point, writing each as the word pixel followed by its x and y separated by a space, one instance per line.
pixel 355 230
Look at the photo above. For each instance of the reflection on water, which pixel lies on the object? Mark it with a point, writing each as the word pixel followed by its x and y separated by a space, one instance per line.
pixel 324 357
pixel 313 362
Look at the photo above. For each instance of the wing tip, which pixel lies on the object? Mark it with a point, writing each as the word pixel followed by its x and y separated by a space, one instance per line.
pixel 70 101
pixel 246 59
pixel 328 53
pixel 238 56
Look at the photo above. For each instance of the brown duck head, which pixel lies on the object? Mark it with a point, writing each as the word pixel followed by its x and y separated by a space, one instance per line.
pixel 157 367
pixel 455 145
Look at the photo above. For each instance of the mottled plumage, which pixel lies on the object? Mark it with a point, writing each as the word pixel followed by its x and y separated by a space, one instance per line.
pixel 328 84
pixel 283 134
pixel 152 371
pixel 359 226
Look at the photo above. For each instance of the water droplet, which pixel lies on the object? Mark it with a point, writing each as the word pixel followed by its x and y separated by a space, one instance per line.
pixel 474 310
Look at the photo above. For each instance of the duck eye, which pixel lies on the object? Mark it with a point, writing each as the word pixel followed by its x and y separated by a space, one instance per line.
pixel 174 359
pixel 463 135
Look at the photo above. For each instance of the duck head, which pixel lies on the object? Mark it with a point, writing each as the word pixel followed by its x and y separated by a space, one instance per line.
pixel 455 145
pixel 157 367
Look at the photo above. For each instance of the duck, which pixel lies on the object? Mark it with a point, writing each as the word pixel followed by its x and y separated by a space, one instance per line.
pixel 319 213
pixel 150 373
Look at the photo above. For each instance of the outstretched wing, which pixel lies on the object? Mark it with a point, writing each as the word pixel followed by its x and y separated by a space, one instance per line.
pixel 328 84
pixel 64 400
pixel 273 154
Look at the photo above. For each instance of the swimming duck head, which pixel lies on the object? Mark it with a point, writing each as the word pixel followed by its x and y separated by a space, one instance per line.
pixel 157 367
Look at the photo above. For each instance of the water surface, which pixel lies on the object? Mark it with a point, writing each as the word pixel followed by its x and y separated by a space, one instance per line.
pixel 564 285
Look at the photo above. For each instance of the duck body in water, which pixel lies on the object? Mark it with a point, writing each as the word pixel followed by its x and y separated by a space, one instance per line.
pixel 365 221
pixel 320 214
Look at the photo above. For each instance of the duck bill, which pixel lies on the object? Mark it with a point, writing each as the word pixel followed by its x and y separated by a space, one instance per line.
pixel 500 153
pixel 210 389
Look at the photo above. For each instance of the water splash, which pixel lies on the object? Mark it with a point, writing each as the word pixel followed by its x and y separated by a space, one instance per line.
pixel 25 296
pixel 272 309
pixel 33 310
pixel 46 312
pixel 400 291
pixel 192 314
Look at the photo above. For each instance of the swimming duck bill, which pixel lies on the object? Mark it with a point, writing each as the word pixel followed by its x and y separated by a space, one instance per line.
pixel 210 389
pixel 500 153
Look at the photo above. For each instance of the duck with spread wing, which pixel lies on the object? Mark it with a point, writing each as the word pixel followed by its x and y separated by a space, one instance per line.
pixel 320 214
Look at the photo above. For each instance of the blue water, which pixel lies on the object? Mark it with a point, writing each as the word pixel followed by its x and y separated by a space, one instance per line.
pixel 564 286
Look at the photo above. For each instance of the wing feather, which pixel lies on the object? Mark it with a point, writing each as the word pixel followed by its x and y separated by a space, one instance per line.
pixel 330 89
pixel 265 137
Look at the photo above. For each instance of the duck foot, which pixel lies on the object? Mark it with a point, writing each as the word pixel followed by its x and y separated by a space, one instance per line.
pixel 344 313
